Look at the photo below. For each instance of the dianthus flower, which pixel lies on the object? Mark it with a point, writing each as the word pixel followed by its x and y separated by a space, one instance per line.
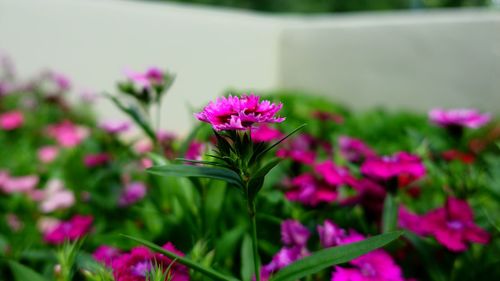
pixel 293 233
pixel 47 154
pixel 354 150
pixel 375 266
pixel 115 127
pixel 332 173
pixel 11 184
pixel 461 117
pixel 55 196
pixel 195 150
pixel 11 120
pixel 390 167
pixel 265 133
pixel 239 113
pixel 135 265
pixel 94 160
pixel 70 230
pixel 151 77
pixel 310 190
pixel 132 193
pixel 300 149
pixel 67 134
pixel 106 254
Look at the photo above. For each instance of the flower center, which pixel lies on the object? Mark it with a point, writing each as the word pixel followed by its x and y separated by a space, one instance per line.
pixel 368 270
pixel 455 224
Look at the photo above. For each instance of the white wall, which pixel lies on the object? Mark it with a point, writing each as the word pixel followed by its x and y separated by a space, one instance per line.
pixel 412 60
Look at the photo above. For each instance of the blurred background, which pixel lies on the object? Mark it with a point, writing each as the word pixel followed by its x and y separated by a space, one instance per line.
pixel 411 54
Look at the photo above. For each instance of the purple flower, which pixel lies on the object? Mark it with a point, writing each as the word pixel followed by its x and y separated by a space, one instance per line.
pixel 293 233
pixel 70 230
pixel 284 257
pixel 115 127
pixel 354 150
pixel 461 117
pixel 300 149
pixel 453 225
pixel 265 133
pixel 11 120
pixel 94 160
pixel 310 190
pixel 135 265
pixel 132 193
pixel 389 167
pixel 330 234
pixel 106 254
pixel 239 113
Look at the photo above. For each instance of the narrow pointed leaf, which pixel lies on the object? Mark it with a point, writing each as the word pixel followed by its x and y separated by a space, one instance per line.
pixel 224 174
pixel 24 273
pixel 257 156
pixel 200 162
pixel 185 261
pixel 332 256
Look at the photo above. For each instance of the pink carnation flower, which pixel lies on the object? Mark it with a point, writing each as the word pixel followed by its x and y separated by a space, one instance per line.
pixel 332 173
pixel 47 154
pixel 239 113
pixel 67 134
pixel 354 150
pixel 106 254
pixel 115 127
pixel 11 120
pixel 310 190
pixel 461 117
pixel 195 150
pixel 375 266
pixel 151 77
pixel 132 193
pixel 135 265
pixel 293 233
pixel 389 167
pixel 70 230
pixel 300 149
pixel 94 160
pixel 265 133
pixel 23 184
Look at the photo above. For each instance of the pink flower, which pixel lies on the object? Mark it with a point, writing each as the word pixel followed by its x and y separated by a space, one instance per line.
pixel 61 81
pixel 55 196
pixel 332 173
pixel 293 233
pixel 135 265
pixel 310 190
pixel 300 149
pixel 389 167
pixel 67 134
pixel 115 127
pixel 195 150
pixel 265 133
pixel 330 234
pixel 18 184
pixel 411 221
pixel 94 160
pixel 47 154
pixel 11 120
pixel 461 117
pixel 453 225
pixel 132 193
pixel 239 113
pixel 106 254
pixel 354 150
pixel 374 266
pixel 151 77
pixel 70 230
pixel 284 257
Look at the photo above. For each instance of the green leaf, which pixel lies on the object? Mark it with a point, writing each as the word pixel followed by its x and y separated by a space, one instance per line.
pixel 390 214
pixel 24 273
pixel 246 259
pixel 427 257
pixel 185 144
pixel 185 261
pixel 224 174
pixel 332 256
pixel 157 158
pixel 227 244
pixel 200 162
pixel 215 196
pixel 257 180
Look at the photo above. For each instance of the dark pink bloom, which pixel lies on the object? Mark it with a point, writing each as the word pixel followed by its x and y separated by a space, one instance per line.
pixel 11 120
pixel 195 150
pixel 332 173
pixel 47 154
pixel 389 167
pixel 461 117
pixel 453 225
pixel 132 193
pixel 300 149
pixel 284 257
pixel 374 266
pixel 70 230
pixel 328 116
pixel 67 134
pixel 411 221
pixel 94 160
pixel 265 133
pixel 452 154
pixel 330 234
pixel 354 150
pixel 370 195
pixel 106 254
pixel 239 113
pixel 293 233
pixel 151 77
pixel 115 127
pixel 310 190
pixel 135 265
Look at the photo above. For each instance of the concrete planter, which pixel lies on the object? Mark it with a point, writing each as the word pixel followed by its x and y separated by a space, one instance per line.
pixel 411 60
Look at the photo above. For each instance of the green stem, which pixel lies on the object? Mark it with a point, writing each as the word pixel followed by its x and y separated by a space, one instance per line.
pixel 256 260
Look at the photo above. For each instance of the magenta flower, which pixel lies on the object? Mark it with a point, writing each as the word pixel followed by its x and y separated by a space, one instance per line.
pixel 265 133
pixel 47 154
pixel 453 225
pixel 94 160
pixel 310 190
pixel 106 254
pixel 411 221
pixel 115 127
pixel 135 265
pixel 293 233
pixel 333 174
pixel 284 257
pixel 70 230
pixel 374 266
pixel 300 149
pixel 151 77
pixel 330 234
pixel 11 120
pixel 354 150
pixel 370 195
pixel 67 134
pixel 239 113
pixel 461 117
pixel 132 193
pixel 195 150
pixel 390 167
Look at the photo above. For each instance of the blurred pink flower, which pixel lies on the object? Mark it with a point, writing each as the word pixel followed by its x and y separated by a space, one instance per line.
pixel 55 196
pixel 67 134
pixel 310 190
pixel 265 133
pixel 98 159
pixel 293 233
pixel 195 150
pixel 461 117
pixel 146 163
pixel 151 77
pixel 330 234
pixel 374 266
pixel 11 120
pixel 143 146
pixel 411 221
pixel 61 81
pixel 47 224
pixel 70 230
pixel 135 265
pixel 18 184
pixel 332 173
pixel 106 254
pixel 284 257
pixel 354 150
pixel 239 113
pixel 132 193
pixel 13 221
pixel 115 127
pixel 300 149
pixel 47 154
pixel 389 167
